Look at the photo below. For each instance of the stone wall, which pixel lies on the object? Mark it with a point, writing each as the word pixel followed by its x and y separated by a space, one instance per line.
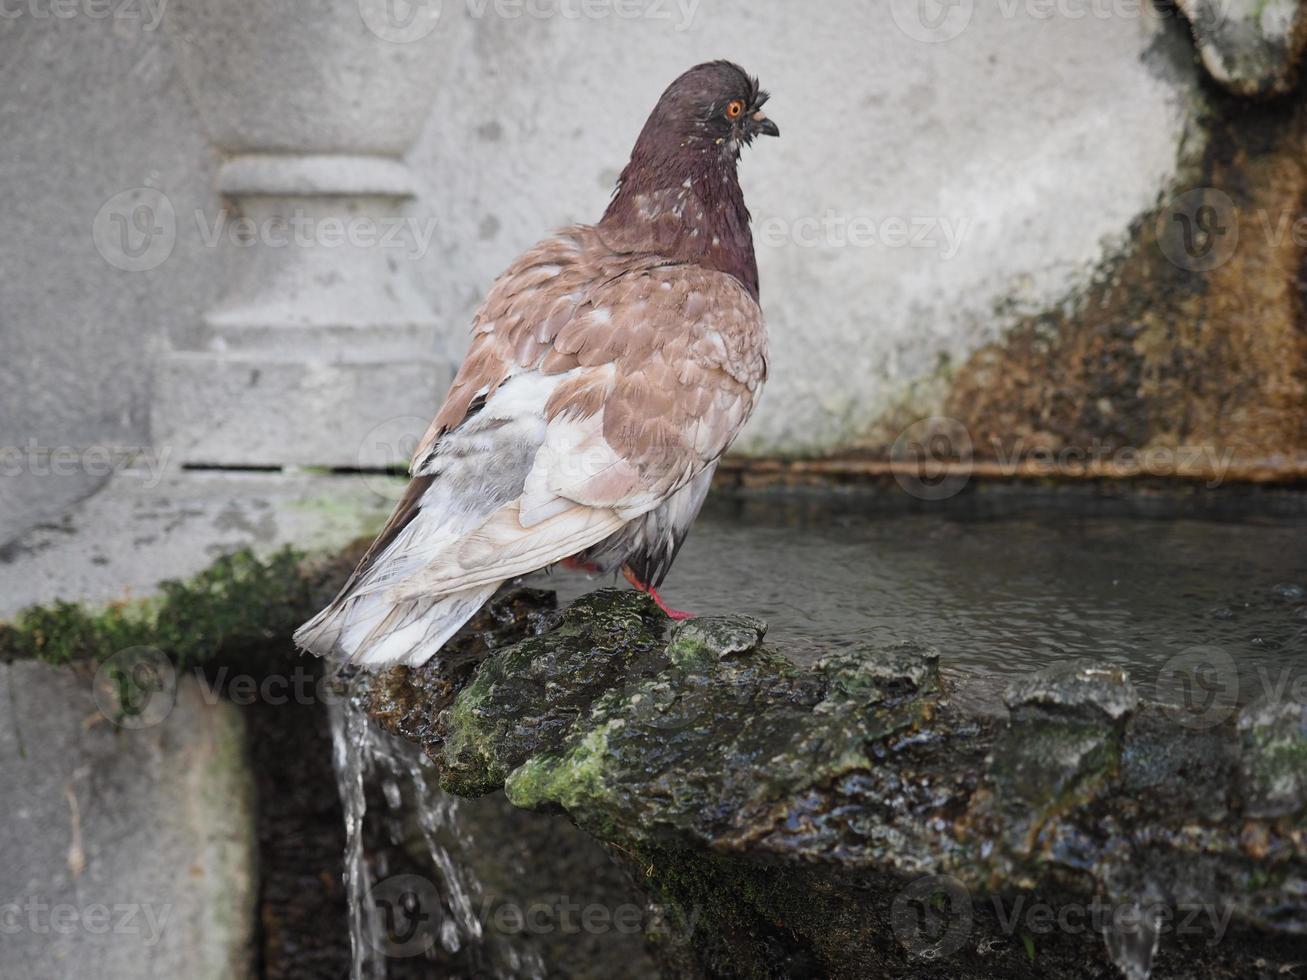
pixel 128 850
pixel 959 220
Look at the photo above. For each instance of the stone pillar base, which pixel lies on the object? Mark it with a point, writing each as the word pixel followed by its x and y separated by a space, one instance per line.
pixel 256 410
pixel 322 352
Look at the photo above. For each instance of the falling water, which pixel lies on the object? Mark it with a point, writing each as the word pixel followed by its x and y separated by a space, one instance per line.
pixel 1134 928
pixel 1132 948
pixel 365 756
pixel 349 738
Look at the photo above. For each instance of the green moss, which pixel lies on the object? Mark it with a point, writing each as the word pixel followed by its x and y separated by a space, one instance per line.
pixel 1274 761
pixel 576 776
pixel 238 601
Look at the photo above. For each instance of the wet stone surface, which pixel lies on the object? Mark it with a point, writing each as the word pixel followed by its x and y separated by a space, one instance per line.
pixel 791 812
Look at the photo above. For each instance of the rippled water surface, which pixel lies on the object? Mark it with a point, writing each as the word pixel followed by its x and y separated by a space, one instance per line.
pixel 1005 591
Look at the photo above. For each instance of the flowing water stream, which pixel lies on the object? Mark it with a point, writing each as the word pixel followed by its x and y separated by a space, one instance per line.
pixel 405 915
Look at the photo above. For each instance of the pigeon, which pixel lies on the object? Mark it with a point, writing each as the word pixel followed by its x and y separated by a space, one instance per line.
pixel 610 368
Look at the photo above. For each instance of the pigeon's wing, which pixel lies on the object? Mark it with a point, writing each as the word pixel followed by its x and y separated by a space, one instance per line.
pixel 640 386
pixel 526 305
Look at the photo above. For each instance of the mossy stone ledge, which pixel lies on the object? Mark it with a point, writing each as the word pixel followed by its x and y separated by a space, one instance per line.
pixel 789 813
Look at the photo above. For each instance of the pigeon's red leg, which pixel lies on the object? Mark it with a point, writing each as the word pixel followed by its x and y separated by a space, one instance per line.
pixel 652 593
pixel 577 565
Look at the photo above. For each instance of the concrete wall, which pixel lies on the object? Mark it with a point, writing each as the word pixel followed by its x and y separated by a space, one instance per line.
pixel 934 187
pixel 1016 154
pixel 89 107
pixel 128 843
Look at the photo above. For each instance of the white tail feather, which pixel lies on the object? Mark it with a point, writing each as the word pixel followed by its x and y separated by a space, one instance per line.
pixel 372 631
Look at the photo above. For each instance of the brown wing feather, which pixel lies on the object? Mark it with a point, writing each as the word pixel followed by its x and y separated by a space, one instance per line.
pixel 517 326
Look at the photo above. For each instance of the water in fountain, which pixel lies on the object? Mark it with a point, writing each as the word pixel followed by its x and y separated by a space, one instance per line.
pixel 1005 587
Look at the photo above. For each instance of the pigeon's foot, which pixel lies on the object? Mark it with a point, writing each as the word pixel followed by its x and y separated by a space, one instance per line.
pixel 652 593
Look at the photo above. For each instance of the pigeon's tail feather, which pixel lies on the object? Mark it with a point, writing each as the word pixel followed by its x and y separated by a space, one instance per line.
pixel 374 631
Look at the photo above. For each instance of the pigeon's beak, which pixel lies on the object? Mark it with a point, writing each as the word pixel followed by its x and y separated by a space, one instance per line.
pixel 761 124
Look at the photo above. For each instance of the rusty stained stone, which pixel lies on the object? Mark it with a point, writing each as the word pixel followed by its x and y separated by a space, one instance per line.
pixel 1159 356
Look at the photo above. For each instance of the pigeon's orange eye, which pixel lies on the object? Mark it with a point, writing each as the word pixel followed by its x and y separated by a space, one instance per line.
pixel 735 110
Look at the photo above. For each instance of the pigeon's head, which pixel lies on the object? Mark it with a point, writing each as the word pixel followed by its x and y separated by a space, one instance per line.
pixel 716 105
pixel 680 194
